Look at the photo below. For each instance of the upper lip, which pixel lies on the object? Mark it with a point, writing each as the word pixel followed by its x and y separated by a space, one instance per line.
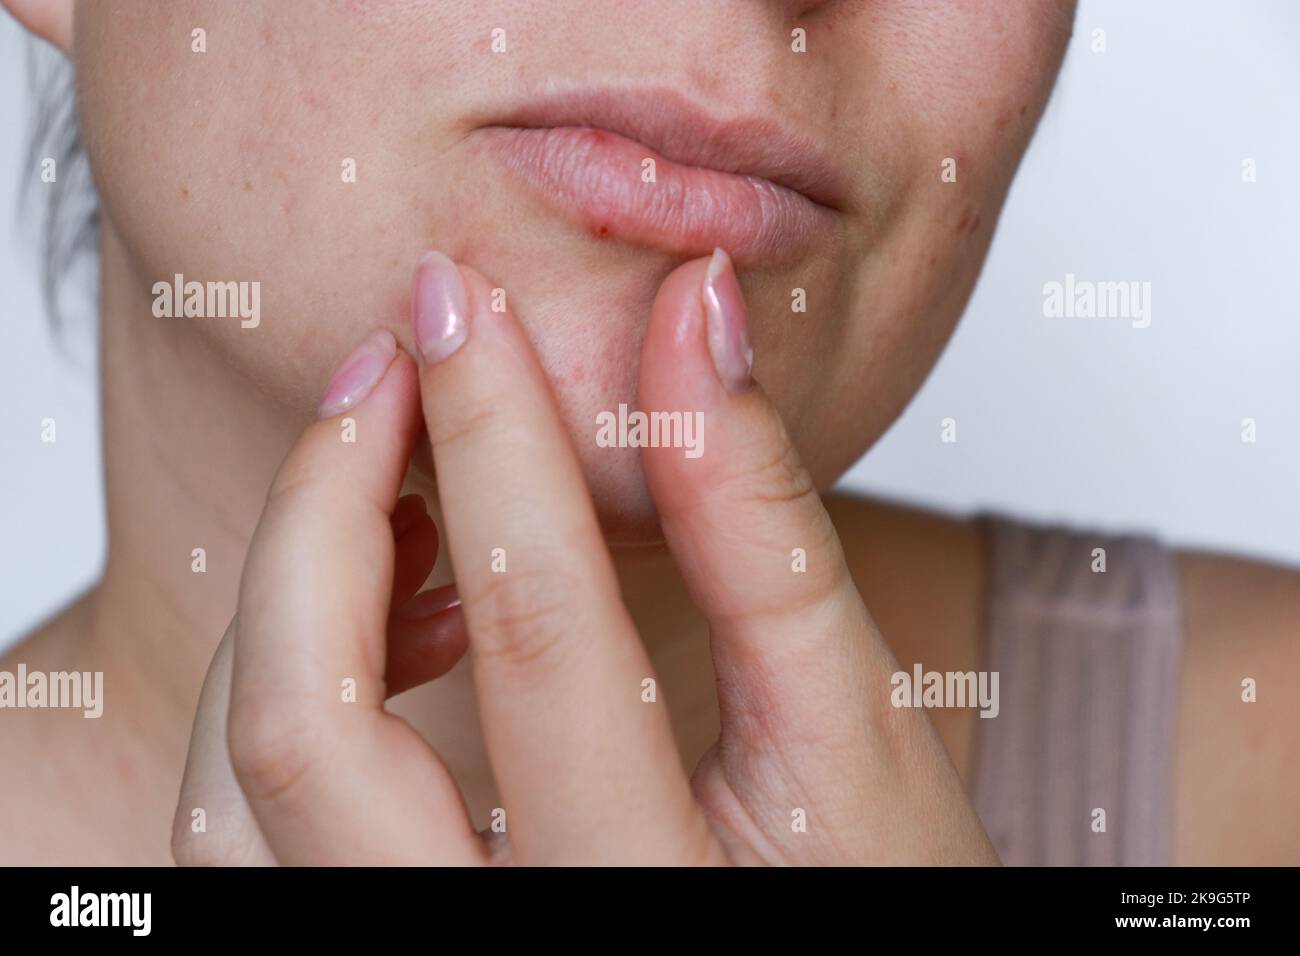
pixel 676 128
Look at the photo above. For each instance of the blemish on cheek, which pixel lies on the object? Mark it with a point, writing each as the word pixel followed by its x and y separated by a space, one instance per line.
pixel 248 186
pixel 969 222
pixel 185 192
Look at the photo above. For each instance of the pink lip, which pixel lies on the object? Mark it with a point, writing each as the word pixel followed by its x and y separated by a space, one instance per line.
pixel 745 184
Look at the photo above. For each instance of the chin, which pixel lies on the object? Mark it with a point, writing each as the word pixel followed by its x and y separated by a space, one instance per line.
pixel 588 337
pixel 615 481
pixel 585 382
pixel 621 497
pixel 615 477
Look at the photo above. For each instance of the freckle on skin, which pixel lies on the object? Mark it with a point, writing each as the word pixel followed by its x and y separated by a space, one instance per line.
pixel 185 193
pixel 248 186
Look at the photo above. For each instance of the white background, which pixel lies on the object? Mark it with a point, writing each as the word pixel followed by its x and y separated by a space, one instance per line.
pixel 1135 175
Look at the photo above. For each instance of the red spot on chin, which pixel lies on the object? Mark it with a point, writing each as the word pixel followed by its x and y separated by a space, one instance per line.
pixel 602 231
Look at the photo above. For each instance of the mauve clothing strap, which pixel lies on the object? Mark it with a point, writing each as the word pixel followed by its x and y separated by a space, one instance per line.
pixel 1088 668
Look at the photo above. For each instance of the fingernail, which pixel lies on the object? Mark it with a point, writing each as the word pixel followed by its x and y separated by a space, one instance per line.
pixel 429 603
pixel 439 307
pixel 724 306
pixel 358 374
pixel 409 510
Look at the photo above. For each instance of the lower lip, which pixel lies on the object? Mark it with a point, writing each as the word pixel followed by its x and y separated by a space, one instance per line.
pixel 596 178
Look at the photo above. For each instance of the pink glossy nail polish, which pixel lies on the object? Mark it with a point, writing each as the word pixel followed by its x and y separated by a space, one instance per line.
pixel 724 307
pixel 359 373
pixel 439 308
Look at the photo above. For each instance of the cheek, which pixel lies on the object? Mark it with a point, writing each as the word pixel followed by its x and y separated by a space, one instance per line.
pixel 970 77
pixel 259 161
pixel 969 88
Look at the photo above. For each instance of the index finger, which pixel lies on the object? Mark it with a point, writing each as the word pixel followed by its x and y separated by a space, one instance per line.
pixel 558 666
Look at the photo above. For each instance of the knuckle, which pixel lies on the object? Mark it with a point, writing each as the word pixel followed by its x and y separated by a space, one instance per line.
pixel 269 762
pixel 188 850
pixel 780 477
pixel 522 619
pixel 228 841
pixel 469 417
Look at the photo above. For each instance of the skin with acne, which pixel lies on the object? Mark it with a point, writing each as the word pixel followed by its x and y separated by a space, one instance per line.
pixel 313 93
pixel 228 165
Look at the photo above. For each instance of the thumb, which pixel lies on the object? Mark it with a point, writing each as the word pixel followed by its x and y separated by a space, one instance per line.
pixel 791 637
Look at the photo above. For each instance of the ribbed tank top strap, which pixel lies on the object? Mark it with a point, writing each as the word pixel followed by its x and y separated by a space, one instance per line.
pixel 1088 664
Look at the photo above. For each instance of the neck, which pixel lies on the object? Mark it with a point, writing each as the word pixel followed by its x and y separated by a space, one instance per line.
pixel 189 451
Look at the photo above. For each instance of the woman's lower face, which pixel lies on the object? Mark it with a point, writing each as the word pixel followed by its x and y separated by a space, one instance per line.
pixel 852 156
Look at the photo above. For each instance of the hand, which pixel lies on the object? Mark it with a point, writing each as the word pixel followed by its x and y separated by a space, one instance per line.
pixel 587 771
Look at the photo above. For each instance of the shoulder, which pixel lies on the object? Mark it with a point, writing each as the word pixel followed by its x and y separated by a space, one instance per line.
pixel 921 576
pixel 924 576
pixel 1238 779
